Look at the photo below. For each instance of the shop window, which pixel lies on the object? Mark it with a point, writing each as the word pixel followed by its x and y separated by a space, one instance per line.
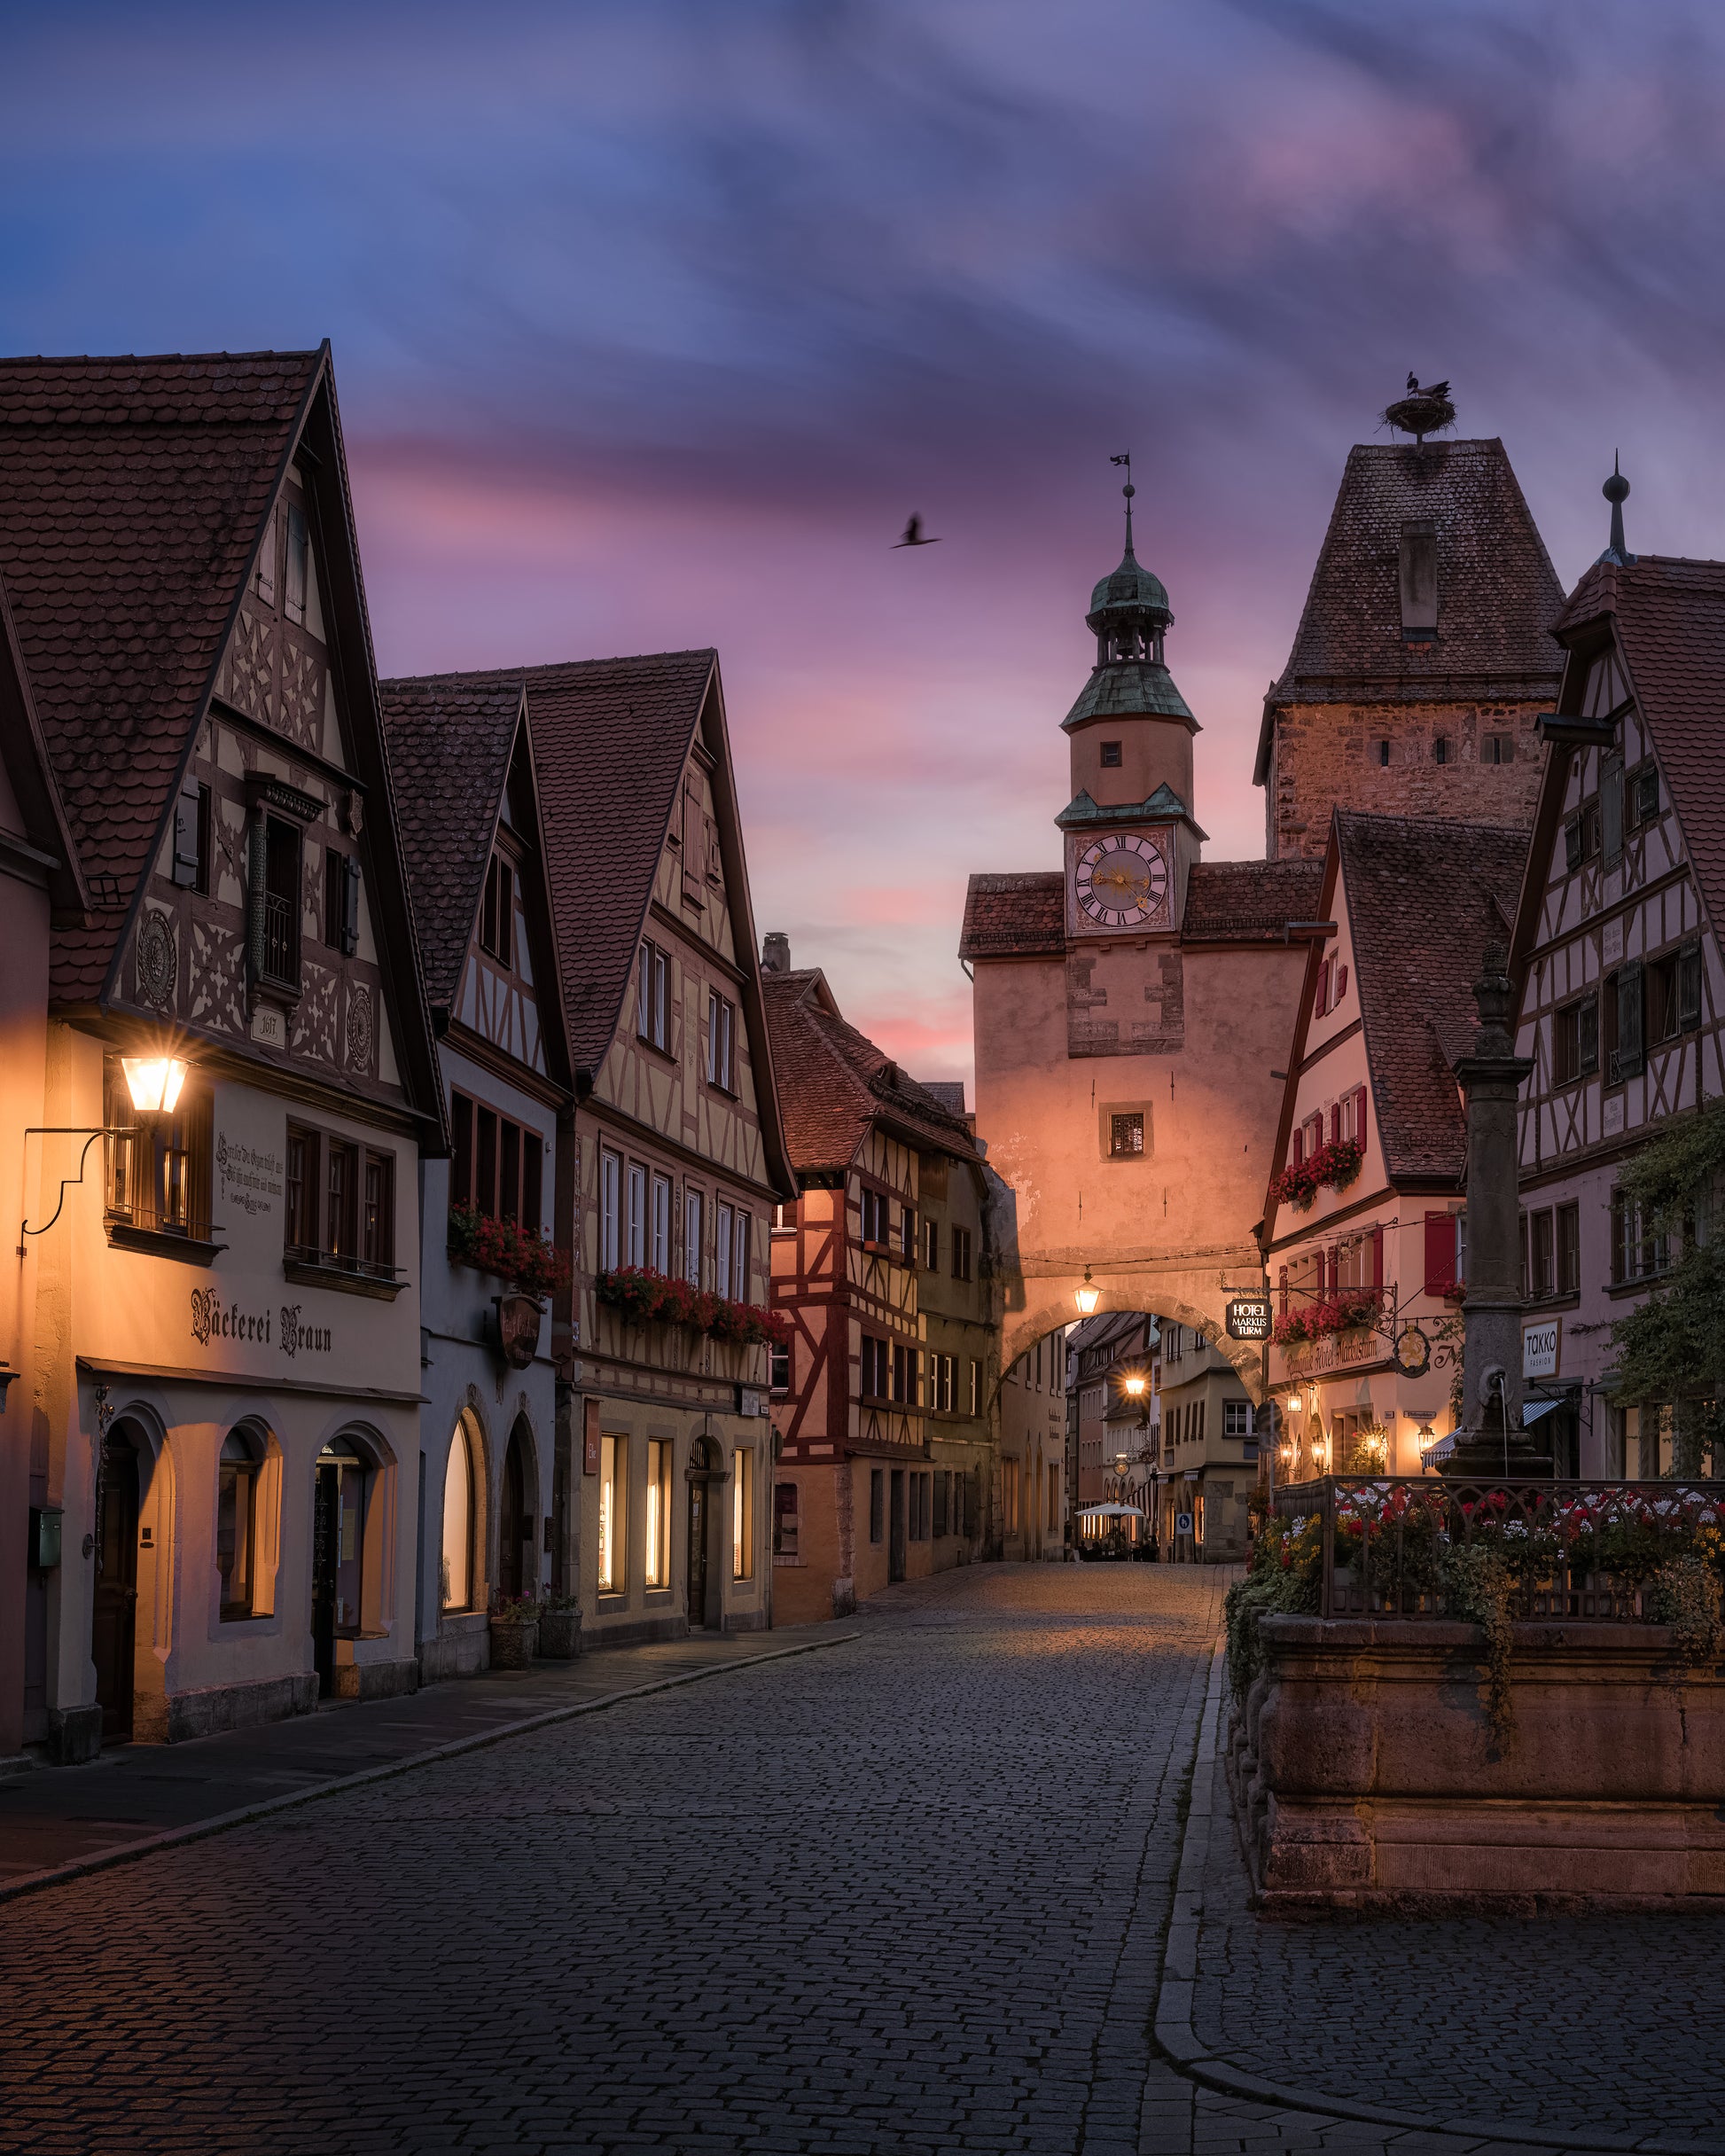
pixel 497 1165
pixel 456 1567
pixel 786 1519
pixel 657 1557
pixel 876 1504
pixel 338 1559
pixel 651 996
pixel 158 1166
pixel 340 901
pixel 961 1256
pixel 497 910
pixel 236 1524
pixel 742 1512
pixel 614 1494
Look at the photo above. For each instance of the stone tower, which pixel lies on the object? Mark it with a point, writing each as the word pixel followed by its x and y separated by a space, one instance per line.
pixel 1424 655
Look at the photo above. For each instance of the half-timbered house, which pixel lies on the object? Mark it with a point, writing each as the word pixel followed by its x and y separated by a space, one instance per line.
pixel 671 1159
pixel 1617 957
pixel 879 1477
pixel 495 1499
pixel 1365 1231
pixel 240 1076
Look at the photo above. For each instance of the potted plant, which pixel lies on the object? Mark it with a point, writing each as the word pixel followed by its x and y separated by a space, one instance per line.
pixel 514 1631
pixel 559 1627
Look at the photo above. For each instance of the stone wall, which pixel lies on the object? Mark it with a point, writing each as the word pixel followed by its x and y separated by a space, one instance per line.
pixel 1325 756
pixel 1367 1773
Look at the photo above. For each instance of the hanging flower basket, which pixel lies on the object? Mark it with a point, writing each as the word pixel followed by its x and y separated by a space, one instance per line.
pixel 1332 1166
pixel 532 1264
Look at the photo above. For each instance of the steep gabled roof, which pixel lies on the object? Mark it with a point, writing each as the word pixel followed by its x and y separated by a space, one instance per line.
pixel 833 1082
pixel 133 494
pixel 1249 902
pixel 1425 898
pixel 1669 618
pixel 450 740
pixel 1497 592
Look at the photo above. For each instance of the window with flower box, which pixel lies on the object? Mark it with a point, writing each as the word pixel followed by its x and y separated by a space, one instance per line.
pixel 497 1165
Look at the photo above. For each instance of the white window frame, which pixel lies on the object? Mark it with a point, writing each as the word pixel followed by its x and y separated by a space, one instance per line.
pixel 611 1199
pixel 659 1224
pixel 693 1224
pixel 740 1262
pixel 722 1216
pixel 653 980
pixel 721 1042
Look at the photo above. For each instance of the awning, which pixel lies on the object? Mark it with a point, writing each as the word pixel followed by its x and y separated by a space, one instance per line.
pixel 1110 1511
pixel 1532 1410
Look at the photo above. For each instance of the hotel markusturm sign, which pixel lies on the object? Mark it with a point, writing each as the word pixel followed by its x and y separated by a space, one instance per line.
pixel 1249 1317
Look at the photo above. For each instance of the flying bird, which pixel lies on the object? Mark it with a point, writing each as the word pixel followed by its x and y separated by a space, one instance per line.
pixel 913 535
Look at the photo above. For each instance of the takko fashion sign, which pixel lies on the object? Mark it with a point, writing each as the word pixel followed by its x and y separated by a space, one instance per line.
pixel 211 1319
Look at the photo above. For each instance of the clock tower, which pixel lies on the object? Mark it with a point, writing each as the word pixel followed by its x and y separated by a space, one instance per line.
pixel 1130 838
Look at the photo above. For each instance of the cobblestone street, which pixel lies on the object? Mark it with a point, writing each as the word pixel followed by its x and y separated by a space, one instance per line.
pixel 902 1896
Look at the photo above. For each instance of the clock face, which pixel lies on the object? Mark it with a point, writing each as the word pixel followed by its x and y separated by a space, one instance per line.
pixel 1121 881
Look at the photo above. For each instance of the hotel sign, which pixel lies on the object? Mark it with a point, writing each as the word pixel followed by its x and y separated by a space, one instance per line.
pixel 1249 1317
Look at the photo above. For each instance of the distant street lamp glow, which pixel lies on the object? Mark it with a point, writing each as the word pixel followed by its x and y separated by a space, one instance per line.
pixel 1134 1384
pixel 1087 1297
pixel 154 1082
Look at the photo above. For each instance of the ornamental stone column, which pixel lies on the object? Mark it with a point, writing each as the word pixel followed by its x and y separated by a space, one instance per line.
pixel 1490 1440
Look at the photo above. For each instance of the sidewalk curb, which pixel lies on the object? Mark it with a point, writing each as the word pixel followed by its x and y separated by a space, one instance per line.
pixel 1178 2042
pixel 126 1852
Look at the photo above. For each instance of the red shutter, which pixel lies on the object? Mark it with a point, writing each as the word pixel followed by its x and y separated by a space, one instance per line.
pixel 1299 1146
pixel 1341 982
pixel 1375 1258
pixel 1440 1252
pixel 1360 1117
pixel 1335 1122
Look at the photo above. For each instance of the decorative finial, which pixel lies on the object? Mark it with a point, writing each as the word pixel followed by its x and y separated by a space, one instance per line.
pixel 1616 491
pixel 1128 490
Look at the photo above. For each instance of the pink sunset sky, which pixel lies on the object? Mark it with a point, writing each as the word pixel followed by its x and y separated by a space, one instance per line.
pixel 653 321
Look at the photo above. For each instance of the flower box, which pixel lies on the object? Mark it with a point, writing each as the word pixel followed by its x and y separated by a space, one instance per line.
pixel 643 1296
pixel 532 1264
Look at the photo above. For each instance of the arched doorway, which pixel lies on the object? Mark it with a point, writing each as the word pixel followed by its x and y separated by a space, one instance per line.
pixel 114 1594
pixel 457 1569
pixel 704 1470
pixel 338 1552
pixel 518 1573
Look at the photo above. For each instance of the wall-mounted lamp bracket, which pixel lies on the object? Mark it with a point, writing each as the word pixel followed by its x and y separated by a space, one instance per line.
pixel 65 1130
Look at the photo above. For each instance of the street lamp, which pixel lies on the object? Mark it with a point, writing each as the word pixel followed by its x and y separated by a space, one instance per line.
pixel 154 1082
pixel 1136 1386
pixel 1087 1297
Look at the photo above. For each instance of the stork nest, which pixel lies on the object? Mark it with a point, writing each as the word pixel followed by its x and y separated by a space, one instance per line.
pixel 1419 415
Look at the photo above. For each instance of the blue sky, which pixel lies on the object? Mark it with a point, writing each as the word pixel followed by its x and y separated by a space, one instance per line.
pixel 653 321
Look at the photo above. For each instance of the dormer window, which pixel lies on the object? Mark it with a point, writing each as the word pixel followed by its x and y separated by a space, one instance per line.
pixel 498 912
pixel 1110 756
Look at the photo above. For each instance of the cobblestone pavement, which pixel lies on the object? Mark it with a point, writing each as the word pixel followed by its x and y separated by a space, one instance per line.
pixel 1595 2028
pixel 901 1896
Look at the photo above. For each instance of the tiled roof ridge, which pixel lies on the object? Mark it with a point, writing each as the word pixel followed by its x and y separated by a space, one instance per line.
pixel 546 666
pixel 828 1110
pixel 152 359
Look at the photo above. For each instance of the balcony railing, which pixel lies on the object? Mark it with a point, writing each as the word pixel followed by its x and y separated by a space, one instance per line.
pixel 1575 1551
pixel 281 948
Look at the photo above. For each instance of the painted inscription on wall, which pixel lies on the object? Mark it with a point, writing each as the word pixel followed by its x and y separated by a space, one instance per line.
pixel 211 1319
pixel 248 1178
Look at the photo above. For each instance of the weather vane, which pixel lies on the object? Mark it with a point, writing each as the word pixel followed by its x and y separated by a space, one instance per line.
pixel 1128 490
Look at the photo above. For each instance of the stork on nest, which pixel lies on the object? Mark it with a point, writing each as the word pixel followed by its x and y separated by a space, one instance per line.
pixel 1420 412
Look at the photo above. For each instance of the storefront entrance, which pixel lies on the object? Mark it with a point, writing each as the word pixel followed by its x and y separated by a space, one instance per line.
pixel 113 1618
pixel 700 1467
pixel 895 1528
pixel 337 1554
pixel 516 1575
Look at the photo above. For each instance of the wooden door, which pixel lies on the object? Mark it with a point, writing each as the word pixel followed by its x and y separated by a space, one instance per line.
pixel 325 1545
pixel 698 1552
pixel 895 1528
pixel 513 1521
pixel 113 1625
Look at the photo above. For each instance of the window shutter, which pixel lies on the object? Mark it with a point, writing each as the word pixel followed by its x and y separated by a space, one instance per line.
pixel 1299 1146
pixel 349 904
pixel 1573 843
pixel 1628 1059
pixel 1335 1122
pixel 1375 1259
pixel 1611 809
pixel 1440 1252
pixel 185 838
pixel 1360 1116
pixel 1688 985
pixel 1341 982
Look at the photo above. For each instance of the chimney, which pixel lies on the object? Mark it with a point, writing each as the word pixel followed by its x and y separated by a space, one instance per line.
pixel 775 952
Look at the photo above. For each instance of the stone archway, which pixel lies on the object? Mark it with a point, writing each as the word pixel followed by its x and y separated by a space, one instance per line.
pixel 1042 1299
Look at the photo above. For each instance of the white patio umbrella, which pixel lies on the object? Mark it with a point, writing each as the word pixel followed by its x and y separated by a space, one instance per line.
pixel 1112 1512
